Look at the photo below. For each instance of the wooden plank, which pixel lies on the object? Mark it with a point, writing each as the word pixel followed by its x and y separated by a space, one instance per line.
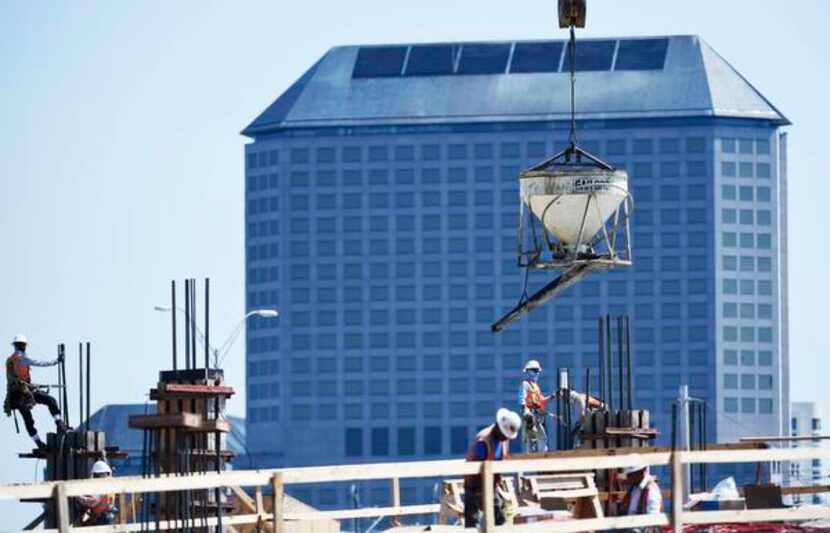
pixel 177 420
pixel 754 456
pixel 187 391
pixel 278 492
pixel 580 463
pixel 487 497
pixel 757 515
pixel 366 512
pixel 677 491
pixel 568 494
pixel 779 438
pixel 590 524
pixel 211 426
pixel 62 508
pixel 396 500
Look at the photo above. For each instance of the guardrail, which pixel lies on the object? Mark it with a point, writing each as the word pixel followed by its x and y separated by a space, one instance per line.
pixel 277 479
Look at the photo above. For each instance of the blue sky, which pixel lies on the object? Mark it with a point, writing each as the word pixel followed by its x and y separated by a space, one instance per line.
pixel 121 163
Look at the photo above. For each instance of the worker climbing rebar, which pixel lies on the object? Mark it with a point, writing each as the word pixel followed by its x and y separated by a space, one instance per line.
pixel 22 394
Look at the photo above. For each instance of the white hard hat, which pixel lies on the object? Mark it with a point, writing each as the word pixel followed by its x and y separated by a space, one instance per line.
pixel 20 339
pixel 634 469
pixel 101 467
pixel 508 422
pixel 533 364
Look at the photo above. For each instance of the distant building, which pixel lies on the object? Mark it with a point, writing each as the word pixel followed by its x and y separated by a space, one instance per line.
pixel 114 420
pixel 381 211
pixel 806 422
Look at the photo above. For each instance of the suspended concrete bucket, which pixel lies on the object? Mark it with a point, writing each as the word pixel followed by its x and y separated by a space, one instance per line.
pixel 574 215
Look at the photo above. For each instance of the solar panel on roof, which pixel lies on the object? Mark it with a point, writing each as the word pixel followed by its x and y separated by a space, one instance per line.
pixel 642 54
pixel 483 59
pixel 379 62
pixel 591 56
pixel 536 57
pixel 431 60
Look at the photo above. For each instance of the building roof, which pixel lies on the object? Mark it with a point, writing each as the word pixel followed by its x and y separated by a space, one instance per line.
pixel 654 77
pixel 114 418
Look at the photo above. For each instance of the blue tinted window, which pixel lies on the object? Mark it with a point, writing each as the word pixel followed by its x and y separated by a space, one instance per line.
pixel 536 57
pixel 483 59
pixel 379 62
pixel 431 60
pixel 354 442
pixel 591 56
pixel 641 54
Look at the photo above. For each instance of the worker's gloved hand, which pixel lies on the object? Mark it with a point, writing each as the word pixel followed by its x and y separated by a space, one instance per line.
pixel 61 357
pixel 527 416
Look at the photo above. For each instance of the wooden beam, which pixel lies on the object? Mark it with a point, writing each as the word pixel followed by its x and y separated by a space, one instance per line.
pixel 177 420
pixel 677 493
pixel 396 501
pixel 278 499
pixel 488 494
pixel 757 515
pixel 794 438
pixel 62 508
pixel 366 512
pixel 590 524
pixel 754 456
pixel 579 463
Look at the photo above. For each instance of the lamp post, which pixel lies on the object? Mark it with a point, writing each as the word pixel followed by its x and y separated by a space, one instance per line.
pixel 220 353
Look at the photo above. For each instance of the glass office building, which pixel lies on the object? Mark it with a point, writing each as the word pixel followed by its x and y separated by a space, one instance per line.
pixel 381 220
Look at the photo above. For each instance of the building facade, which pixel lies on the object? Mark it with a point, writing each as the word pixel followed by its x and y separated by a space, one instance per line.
pixel 806 422
pixel 381 220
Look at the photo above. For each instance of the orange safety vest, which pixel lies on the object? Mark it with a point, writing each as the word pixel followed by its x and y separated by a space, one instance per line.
pixel 534 399
pixel 486 436
pixel 16 369
pixel 98 505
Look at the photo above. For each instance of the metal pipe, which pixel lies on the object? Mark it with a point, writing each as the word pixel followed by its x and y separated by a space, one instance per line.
pixel 81 382
pixel 88 388
pixel 187 323
pixel 628 362
pixel 620 375
pixel 601 358
pixel 609 349
pixel 65 411
pixel 193 318
pixel 207 326
pixel 173 319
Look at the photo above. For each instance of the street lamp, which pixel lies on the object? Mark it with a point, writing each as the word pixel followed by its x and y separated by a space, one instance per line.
pixel 220 353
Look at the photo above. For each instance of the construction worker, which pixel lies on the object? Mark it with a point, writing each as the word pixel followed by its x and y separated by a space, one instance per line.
pixel 490 444
pixel 22 395
pixel 534 409
pixel 100 509
pixel 642 496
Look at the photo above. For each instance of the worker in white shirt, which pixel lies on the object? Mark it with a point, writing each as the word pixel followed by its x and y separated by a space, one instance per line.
pixel 642 496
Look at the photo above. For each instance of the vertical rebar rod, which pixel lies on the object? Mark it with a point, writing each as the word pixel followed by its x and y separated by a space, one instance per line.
pixel 609 349
pixel 207 326
pixel 65 393
pixel 620 369
pixel 173 320
pixel 193 319
pixel 81 382
pixel 627 330
pixel 61 388
pixel 673 426
pixel 587 387
pixel 692 422
pixel 601 358
pixel 187 323
pixel 88 388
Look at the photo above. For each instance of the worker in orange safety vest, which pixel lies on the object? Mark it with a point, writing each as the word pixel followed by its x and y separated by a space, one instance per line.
pixel 98 509
pixel 21 395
